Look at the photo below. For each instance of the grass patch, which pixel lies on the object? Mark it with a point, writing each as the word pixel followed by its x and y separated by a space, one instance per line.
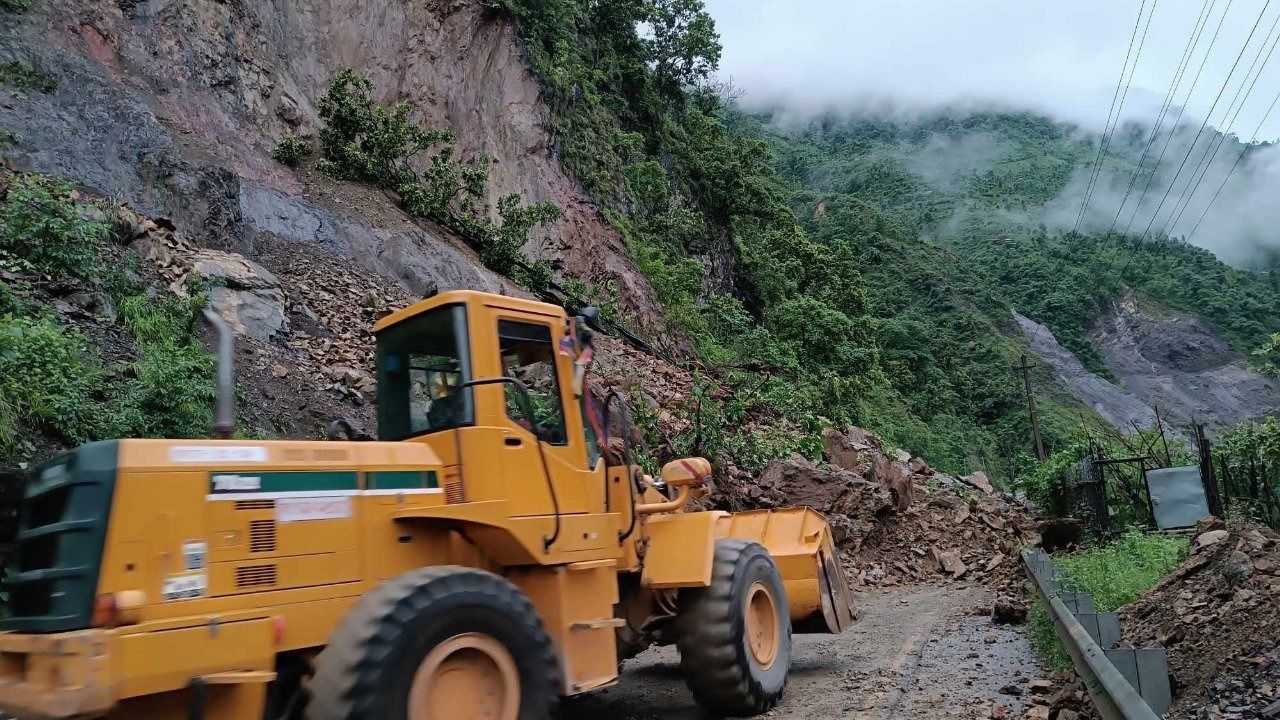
pixel 1115 574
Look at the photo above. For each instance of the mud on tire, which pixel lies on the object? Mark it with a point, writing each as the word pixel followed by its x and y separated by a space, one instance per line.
pixel 720 667
pixel 367 671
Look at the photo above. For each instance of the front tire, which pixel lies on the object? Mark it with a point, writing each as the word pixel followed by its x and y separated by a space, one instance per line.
pixel 734 637
pixel 442 643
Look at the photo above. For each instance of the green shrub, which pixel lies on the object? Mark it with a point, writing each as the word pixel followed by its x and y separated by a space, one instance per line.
pixel 51 377
pixel 41 224
pixel 366 142
pixel 291 151
pixel 23 76
pixel 16 6
pixel 174 380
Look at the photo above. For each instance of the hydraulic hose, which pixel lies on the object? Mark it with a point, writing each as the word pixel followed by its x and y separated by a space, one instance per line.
pixel 624 416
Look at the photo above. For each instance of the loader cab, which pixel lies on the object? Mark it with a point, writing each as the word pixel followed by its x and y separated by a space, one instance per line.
pixel 493 439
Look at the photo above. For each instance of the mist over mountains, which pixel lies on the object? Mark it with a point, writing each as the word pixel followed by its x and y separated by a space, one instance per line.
pixel 905 63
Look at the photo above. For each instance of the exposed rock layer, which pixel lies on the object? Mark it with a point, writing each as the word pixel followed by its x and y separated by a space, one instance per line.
pixel 176 106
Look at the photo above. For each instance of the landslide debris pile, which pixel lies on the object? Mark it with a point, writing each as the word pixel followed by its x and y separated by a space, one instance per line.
pixel 897 520
pixel 1218 615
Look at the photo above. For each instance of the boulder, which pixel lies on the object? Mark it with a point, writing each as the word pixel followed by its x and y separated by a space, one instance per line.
pixel 980 481
pixel 898 478
pixel 243 292
pixel 840 451
pixel 1213 537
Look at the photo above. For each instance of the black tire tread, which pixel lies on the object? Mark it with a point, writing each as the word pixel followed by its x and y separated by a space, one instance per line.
pixel 711 650
pixel 349 669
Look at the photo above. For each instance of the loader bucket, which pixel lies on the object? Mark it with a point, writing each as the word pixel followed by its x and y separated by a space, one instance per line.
pixel 800 542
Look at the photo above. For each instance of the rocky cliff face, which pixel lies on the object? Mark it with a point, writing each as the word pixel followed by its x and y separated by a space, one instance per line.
pixel 176 105
pixel 1165 359
pixel 1177 362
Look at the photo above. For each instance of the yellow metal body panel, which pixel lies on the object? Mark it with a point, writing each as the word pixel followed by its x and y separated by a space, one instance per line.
pixel 575 603
pixel 157 662
pixel 55 676
pixel 680 549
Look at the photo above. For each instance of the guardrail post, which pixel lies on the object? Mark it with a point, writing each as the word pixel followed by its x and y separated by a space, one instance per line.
pixel 1104 628
pixel 1077 602
pixel 1147 670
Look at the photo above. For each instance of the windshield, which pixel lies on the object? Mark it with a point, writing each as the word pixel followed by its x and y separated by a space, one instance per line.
pixel 421 363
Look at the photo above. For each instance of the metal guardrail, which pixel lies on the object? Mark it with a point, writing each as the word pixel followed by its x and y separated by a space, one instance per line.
pixel 1111 689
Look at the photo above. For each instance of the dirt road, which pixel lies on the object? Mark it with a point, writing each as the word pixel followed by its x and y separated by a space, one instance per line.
pixel 916 653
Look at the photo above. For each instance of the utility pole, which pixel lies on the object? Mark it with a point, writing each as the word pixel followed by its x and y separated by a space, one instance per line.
pixel 1041 455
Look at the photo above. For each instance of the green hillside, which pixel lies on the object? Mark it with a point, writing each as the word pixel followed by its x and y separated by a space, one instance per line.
pixel 873 263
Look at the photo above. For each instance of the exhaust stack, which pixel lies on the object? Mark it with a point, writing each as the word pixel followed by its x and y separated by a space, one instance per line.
pixel 224 419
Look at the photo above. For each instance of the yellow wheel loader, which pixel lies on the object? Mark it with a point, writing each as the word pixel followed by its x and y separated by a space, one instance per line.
pixel 491 555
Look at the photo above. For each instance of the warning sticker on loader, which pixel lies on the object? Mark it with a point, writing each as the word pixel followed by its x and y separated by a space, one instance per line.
pixel 194 554
pixel 186 586
pixel 312 508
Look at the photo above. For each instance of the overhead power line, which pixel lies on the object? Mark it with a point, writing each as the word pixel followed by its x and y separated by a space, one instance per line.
pixel 1203 125
pixel 1182 109
pixel 1206 10
pixel 1243 152
pixel 1114 115
pixel 1233 110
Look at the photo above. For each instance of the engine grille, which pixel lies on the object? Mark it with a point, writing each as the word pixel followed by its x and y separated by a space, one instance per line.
pixel 248 576
pixel 262 536
pixel 58 546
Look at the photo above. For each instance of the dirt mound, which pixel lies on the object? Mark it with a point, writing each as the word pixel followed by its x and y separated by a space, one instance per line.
pixel 897 521
pixel 1218 615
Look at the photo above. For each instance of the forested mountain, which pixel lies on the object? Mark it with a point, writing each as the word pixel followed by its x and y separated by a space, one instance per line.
pixel 832 270
pixel 872 264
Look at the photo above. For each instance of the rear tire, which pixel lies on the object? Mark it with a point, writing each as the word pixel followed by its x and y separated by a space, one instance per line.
pixel 436 644
pixel 734 637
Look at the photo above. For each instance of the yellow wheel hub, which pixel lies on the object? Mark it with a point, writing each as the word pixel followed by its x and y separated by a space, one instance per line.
pixel 470 676
pixel 761 625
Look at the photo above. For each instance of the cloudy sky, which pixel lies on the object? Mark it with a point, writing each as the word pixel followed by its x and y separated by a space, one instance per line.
pixel 1059 56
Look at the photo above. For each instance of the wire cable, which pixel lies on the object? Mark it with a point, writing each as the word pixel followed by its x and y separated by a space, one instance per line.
pixel 1182 109
pixel 1197 32
pixel 1203 125
pixel 1244 151
pixel 1238 102
pixel 1106 128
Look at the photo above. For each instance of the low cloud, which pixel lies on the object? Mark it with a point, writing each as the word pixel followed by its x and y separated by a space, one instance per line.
pixel 909 56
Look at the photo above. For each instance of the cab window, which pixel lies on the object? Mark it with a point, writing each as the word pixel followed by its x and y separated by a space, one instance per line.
pixel 529 356
pixel 422 362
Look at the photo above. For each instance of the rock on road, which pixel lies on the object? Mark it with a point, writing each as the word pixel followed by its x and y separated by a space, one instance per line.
pixel 918 652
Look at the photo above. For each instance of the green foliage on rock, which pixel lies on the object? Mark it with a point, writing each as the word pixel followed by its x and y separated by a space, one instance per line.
pixel 53 376
pixel 291 151
pixel 695 188
pixel 43 228
pixel 50 377
pixel 367 142
pixel 24 76
pixel 16 6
